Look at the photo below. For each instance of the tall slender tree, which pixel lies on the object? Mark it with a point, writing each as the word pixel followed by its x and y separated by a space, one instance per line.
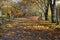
pixel 46 11
pixel 52 7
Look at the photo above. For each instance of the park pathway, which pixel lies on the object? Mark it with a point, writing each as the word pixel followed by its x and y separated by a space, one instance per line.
pixel 25 29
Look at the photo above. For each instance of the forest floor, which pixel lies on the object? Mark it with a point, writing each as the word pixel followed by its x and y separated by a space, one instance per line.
pixel 26 29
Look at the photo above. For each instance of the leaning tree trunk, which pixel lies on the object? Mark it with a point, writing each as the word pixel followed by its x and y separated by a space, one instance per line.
pixel 52 6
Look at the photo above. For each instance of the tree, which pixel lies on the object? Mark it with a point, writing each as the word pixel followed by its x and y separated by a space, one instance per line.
pixel 52 6
pixel 46 13
pixel 31 5
pixel 42 5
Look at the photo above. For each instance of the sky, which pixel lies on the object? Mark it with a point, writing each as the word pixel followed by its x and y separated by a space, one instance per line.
pixel 57 2
pixel 17 0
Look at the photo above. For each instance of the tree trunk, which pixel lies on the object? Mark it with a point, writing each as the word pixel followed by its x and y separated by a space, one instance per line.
pixel 47 7
pixel 57 15
pixel 46 13
pixel 52 6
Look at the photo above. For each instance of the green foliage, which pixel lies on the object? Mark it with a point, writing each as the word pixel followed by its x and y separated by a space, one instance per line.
pixel 4 17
